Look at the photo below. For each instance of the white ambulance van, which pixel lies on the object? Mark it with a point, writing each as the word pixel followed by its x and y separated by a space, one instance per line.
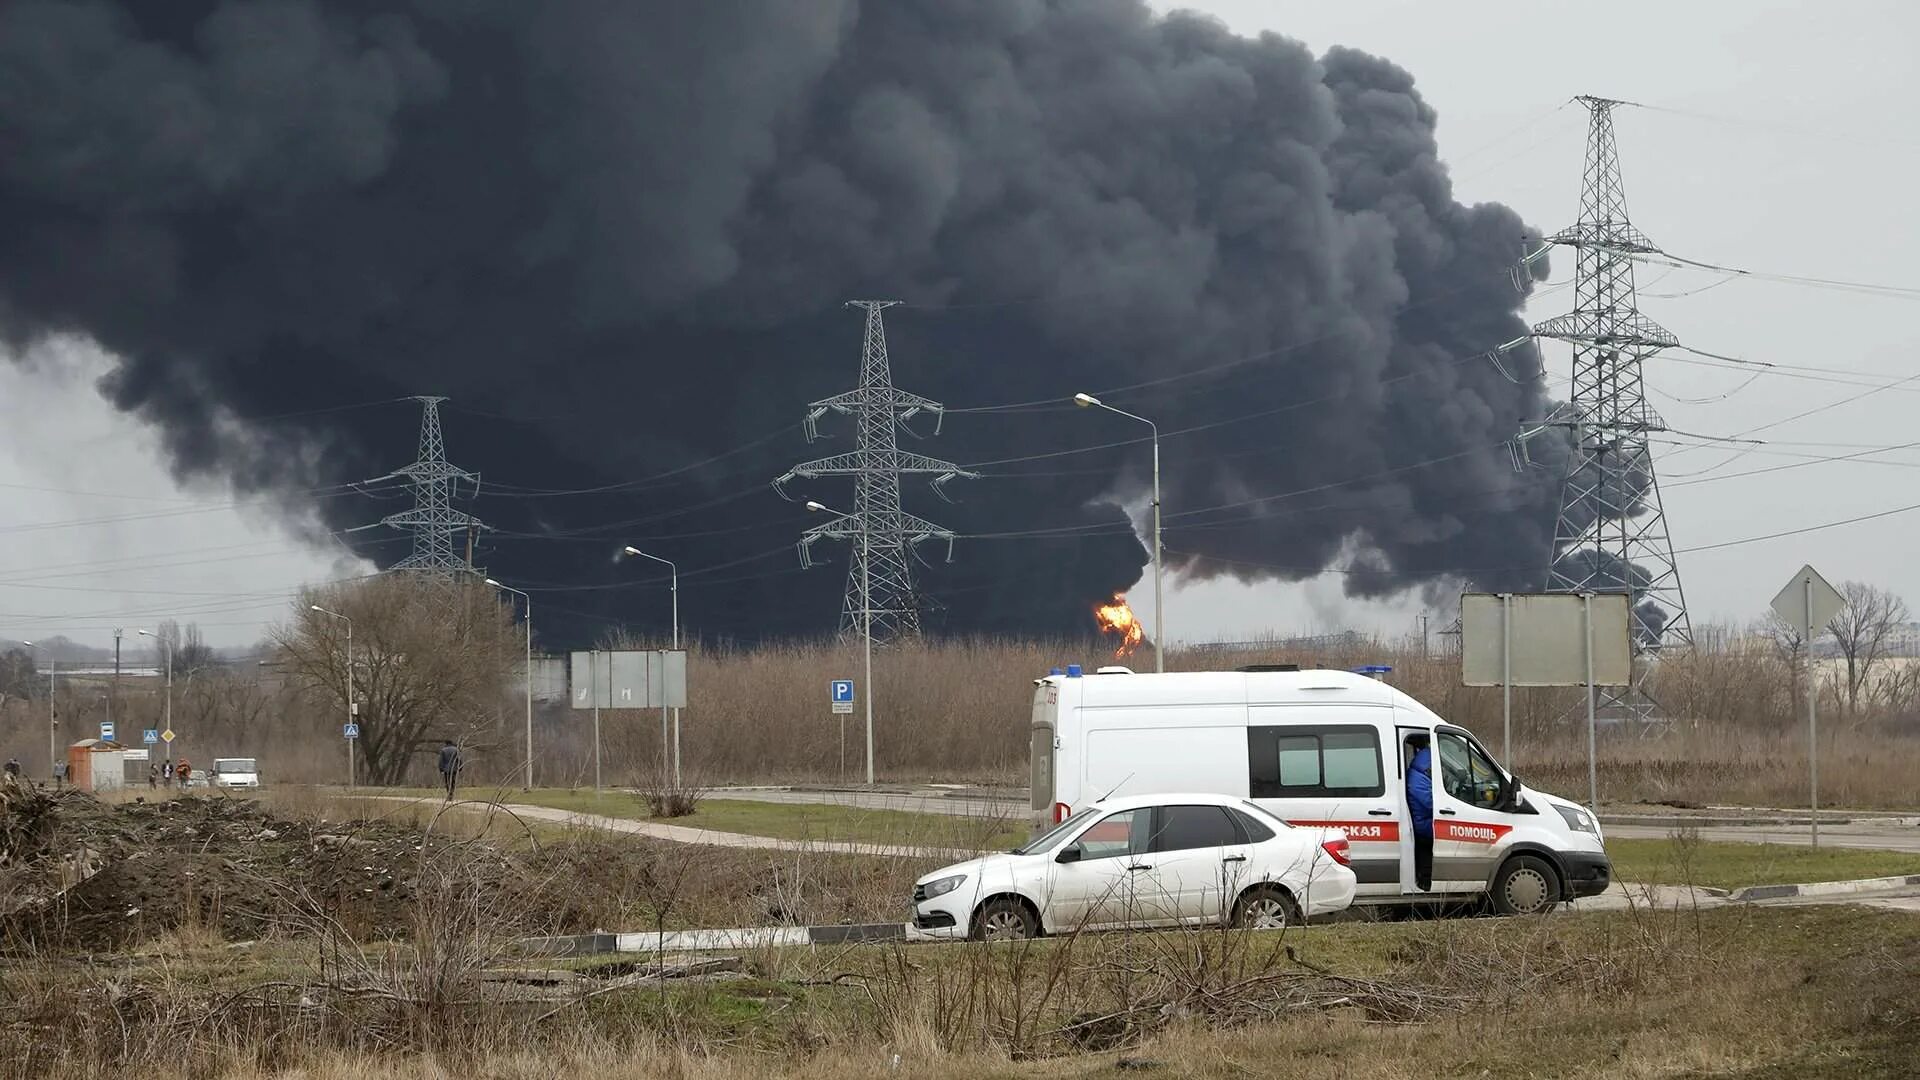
pixel 1317 748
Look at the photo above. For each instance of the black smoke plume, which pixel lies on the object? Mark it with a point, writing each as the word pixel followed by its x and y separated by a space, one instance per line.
pixel 618 236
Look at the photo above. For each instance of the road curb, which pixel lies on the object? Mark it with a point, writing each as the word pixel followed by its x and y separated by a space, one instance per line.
pixel 1656 821
pixel 710 940
pixel 1823 888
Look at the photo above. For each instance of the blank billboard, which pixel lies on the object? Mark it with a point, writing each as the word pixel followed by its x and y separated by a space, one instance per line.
pixel 630 679
pixel 1546 638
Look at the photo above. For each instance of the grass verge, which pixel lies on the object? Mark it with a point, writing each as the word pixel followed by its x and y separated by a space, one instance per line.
pixel 1682 859
pixel 1833 994
pixel 785 821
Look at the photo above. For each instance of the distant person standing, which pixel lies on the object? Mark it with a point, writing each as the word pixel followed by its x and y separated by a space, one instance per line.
pixel 185 771
pixel 13 769
pixel 153 777
pixel 59 775
pixel 449 765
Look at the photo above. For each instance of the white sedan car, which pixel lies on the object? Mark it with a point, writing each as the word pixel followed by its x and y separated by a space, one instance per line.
pixel 1153 860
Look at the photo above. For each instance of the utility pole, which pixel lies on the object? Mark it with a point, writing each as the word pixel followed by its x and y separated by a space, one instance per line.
pixel 346 683
pixel 1611 532
pixel 1088 401
pixel 113 690
pixel 866 644
pixel 673 587
pixel 527 785
pixel 881 570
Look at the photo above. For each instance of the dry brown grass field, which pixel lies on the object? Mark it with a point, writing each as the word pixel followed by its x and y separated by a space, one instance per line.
pixel 958 711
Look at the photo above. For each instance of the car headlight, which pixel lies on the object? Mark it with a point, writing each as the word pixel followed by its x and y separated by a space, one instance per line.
pixel 1577 819
pixel 941 886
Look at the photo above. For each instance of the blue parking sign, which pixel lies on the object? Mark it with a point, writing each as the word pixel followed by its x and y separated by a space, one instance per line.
pixel 840 690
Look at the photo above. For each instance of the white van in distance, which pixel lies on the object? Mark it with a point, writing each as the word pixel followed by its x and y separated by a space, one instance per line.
pixel 1318 748
pixel 234 772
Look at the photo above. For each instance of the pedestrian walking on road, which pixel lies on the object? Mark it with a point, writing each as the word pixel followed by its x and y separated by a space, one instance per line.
pixel 59 775
pixel 449 765
pixel 153 777
pixel 185 770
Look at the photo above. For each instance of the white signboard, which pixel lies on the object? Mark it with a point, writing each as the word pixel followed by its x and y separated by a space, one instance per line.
pixel 1545 643
pixel 630 679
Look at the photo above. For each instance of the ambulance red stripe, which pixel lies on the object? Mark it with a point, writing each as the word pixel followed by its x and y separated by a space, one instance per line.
pixel 1360 832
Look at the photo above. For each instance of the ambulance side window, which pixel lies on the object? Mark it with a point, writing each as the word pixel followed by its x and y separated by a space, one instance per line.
pixel 1467 774
pixel 1328 761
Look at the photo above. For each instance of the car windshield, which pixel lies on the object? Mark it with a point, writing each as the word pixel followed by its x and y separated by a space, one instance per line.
pixel 1050 839
pixel 233 764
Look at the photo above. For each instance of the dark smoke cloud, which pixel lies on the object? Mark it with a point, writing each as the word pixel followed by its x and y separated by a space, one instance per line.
pixel 618 235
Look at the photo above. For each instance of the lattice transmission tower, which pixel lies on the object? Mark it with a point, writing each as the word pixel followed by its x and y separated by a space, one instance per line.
pixel 1611 533
pixel 442 536
pixel 883 535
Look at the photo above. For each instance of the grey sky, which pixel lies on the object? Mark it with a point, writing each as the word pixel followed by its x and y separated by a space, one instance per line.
pixel 1804 167
pixel 1791 152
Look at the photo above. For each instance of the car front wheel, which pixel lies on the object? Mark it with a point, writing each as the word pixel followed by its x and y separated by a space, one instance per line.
pixel 1526 885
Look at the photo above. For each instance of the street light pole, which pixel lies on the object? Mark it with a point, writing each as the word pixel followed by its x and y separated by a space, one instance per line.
pixel 53 722
pixel 528 784
pixel 866 625
pixel 346 684
pixel 1088 401
pixel 166 643
pixel 673 586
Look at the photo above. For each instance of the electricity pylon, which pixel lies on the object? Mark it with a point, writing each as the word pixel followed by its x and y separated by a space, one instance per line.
pixel 1611 533
pixel 880 573
pixel 442 536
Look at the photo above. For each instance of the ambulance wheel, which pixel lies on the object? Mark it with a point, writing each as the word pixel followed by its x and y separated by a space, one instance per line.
pixel 1265 907
pixel 1004 919
pixel 1526 885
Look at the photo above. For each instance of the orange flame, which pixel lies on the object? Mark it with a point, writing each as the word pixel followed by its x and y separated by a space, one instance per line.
pixel 1118 618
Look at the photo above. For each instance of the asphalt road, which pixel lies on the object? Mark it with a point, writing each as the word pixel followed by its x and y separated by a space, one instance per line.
pixel 1883 834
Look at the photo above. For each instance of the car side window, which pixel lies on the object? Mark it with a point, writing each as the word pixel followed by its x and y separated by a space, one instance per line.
pixel 1185 828
pixel 1466 773
pixel 1113 836
pixel 1253 830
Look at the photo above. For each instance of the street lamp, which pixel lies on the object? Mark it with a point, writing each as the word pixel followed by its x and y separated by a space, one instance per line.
pixel 1088 401
pixel 53 721
pixel 528 786
pixel 166 643
pixel 346 684
pixel 866 623
pixel 673 586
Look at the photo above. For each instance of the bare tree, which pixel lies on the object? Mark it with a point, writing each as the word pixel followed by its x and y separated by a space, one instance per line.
pixel 431 660
pixel 1863 631
pixel 222 703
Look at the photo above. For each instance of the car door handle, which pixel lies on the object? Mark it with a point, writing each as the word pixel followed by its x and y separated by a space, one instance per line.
pixel 1447 813
pixel 1140 866
pixel 1234 858
pixel 1379 813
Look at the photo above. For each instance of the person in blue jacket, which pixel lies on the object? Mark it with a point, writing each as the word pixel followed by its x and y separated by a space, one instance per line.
pixel 1420 803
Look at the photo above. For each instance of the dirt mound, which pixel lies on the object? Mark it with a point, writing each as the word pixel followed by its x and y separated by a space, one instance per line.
pixel 84 873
